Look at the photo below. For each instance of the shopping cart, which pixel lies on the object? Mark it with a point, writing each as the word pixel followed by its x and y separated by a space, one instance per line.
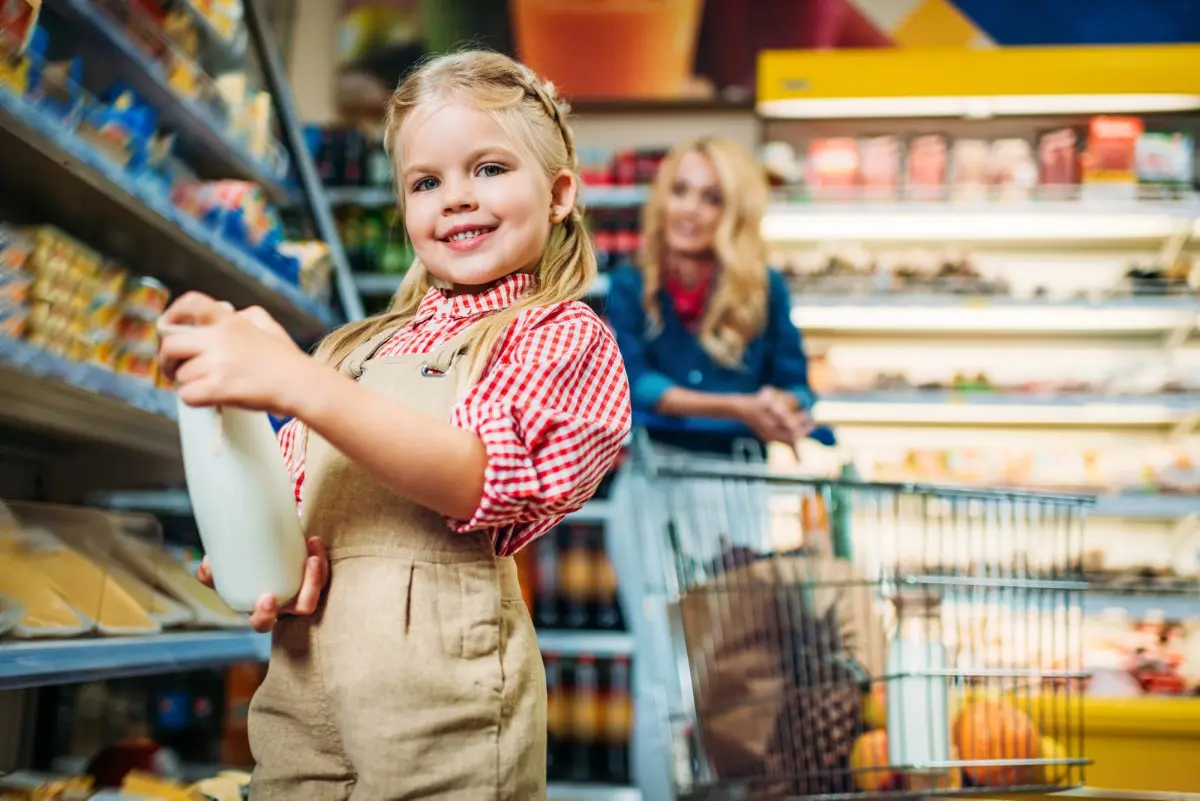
pixel 812 638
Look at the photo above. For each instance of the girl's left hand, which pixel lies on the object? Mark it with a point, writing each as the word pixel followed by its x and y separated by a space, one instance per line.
pixel 219 357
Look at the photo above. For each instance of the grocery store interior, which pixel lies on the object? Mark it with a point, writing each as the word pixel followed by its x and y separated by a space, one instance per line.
pixel 986 213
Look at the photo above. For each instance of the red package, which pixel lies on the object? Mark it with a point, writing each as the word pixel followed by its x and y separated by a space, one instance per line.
pixel 1058 158
pixel 833 165
pixel 927 166
pixel 879 165
pixel 1111 155
pixel 17 21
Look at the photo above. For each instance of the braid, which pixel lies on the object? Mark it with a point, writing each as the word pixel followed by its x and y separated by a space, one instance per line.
pixel 546 95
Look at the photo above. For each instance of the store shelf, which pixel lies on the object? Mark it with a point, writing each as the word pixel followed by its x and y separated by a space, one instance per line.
pixel 903 407
pixel 1133 506
pixel 993 315
pixel 559 791
pixel 41 663
pixel 597 643
pixel 1139 605
pixel 1049 224
pixel 202 137
pixel 134 223
pixel 82 402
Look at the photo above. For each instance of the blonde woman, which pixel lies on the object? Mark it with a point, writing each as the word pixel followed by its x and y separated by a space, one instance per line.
pixel 429 444
pixel 704 326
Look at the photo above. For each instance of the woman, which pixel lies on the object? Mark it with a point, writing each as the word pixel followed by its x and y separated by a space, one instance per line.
pixel 703 325
pixel 705 330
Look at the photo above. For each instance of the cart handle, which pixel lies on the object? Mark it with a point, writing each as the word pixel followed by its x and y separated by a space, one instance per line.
pixel 705 425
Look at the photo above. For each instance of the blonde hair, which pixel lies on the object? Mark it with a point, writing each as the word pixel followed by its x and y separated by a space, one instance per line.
pixel 737 306
pixel 529 111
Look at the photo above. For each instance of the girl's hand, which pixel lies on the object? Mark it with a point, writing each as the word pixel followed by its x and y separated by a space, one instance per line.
pixel 267 612
pixel 219 357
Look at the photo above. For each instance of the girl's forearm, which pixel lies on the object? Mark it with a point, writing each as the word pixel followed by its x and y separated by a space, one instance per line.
pixel 426 460
pixel 682 402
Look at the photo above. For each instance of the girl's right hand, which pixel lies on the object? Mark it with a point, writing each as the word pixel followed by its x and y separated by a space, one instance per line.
pixel 267 612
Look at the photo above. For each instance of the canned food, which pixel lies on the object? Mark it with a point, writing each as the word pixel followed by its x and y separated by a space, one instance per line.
pixel 103 314
pixel 14 285
pixel 137 334
pixel 104 352
pixel 138 365
pixel 146 298
pixel 110 283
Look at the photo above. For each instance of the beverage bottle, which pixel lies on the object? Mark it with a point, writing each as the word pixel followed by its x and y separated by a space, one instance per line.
pixel 586 719
pixel 918 694
pixel 546 600
pixel 557 718
pixel 618 723
pixel 607 608
pixel 577 576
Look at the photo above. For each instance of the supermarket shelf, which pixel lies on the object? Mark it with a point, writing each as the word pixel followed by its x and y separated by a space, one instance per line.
pixel 84 402
pixel 597 643
pixel 1046 223
pixel 137 224
pixel 203 140
pixel 985 315
pixel 41 663
pixel 1134 506
pixel 557 791
pixel 379 284
pixel 383 197
pixel 1001 409
pixel 1175 606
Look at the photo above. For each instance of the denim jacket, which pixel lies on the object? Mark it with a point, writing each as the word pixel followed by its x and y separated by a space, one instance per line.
pixel 675 358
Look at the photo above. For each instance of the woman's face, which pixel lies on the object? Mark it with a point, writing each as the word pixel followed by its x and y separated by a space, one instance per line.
pixel 694 206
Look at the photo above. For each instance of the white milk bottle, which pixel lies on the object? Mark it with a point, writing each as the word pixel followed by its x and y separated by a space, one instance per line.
pixel 243 504
pixel 918 693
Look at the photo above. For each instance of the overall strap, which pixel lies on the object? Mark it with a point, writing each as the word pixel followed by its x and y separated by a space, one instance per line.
pixel 353 364
pixel 442 357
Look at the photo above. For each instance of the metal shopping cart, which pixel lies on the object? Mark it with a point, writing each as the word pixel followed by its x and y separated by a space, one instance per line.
pixel 812 638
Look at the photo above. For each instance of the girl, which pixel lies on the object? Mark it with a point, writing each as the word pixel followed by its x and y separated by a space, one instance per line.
pixel 704 326
pixel 430 443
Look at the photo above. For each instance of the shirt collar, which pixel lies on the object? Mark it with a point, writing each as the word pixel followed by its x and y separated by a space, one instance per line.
pixel 500 295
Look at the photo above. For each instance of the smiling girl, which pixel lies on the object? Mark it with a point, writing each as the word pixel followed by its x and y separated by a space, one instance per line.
pixel 430 443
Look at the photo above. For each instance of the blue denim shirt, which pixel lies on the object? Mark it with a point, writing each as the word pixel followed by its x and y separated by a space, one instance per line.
pixel 675 358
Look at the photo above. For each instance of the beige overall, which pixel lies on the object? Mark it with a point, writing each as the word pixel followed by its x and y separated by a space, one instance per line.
pixel 420 675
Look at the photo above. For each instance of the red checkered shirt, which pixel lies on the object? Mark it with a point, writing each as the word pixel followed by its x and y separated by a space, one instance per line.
pixel 552 408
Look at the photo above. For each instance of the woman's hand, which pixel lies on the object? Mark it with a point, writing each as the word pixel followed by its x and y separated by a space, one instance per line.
pixel 267 612
pixel 219 357
pixel 775 416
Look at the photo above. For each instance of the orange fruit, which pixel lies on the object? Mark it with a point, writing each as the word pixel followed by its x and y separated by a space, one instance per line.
pixel 993 730
pixel 869 761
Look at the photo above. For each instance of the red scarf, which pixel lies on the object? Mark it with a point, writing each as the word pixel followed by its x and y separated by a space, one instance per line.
pixel 689 302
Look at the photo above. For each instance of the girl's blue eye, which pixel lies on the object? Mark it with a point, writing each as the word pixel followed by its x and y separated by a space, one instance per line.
pixel 491 170
pixel 425 184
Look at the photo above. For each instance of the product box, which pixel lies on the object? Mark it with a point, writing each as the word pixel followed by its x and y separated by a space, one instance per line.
pixel 18 18
pixel 833 167
pixel 1111 154
pixel 1012 169
pixel 1166 159
pixel 880 166
pixel 970 160
pixel 927 167
pixel 1058 159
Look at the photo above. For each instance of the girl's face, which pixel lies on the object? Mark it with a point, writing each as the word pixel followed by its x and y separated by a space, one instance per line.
pixel 477 208
pixel 694 206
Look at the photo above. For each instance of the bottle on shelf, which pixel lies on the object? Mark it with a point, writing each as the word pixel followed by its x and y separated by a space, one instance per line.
pixel 587 718
pixel 557 717
pixel 618 723
pixel 546 583
pixel 577 577
pixel 607 614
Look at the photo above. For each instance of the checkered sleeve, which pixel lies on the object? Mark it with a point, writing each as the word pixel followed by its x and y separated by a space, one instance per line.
pixel 291 444
pixel 552 410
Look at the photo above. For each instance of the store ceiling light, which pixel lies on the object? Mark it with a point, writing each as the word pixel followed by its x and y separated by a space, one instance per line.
pixel 974 107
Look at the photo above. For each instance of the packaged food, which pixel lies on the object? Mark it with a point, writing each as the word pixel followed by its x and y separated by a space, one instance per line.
pixel 880 165
pixel 1111 157
pixel 1012 169
pixel 1165 158
pixel 102 314
pixel 969 169
pixel 18 19
pixel 137 334
pixel 110 282
pixel 14 286
pixel 16 246
pixel 1058 158
pixel 13 320
pixel 146 298
pixel 833 166
pixel 138 365
pixel 926 165
pixel 104 352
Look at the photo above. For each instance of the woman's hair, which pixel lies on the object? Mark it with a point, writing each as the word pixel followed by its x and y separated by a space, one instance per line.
pixel 737 307
pixel 529 111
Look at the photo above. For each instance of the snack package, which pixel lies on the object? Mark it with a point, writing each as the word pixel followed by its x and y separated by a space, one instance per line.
pixel 833 167
pixel 1111 154
pixel 1012 169
pixel 970 160
pixel 1166 159
pixel 880 163
pixel 926 167
pixel 18 19
pixel 1058 159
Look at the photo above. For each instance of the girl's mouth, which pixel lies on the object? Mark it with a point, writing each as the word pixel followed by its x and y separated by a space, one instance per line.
pixel 466 239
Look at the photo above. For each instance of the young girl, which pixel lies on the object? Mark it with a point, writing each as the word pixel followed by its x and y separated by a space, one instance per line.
pixel 430 443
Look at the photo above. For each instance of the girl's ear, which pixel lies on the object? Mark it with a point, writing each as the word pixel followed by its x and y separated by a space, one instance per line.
pixel 563 192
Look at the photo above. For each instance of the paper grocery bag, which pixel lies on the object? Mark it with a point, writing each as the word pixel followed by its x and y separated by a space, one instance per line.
pixel 737 628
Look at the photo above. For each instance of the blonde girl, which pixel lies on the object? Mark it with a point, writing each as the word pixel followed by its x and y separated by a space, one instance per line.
pixel 428 445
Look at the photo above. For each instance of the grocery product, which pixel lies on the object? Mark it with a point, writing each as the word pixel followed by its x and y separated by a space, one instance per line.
pixel 18 18
pixel 1165 158
pixel 242 500
pixel 145 299
pixel 870 766
pixel 1110 155
pixel 994 730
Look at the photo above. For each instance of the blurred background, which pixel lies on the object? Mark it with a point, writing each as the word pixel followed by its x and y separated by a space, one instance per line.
pixel 986 212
